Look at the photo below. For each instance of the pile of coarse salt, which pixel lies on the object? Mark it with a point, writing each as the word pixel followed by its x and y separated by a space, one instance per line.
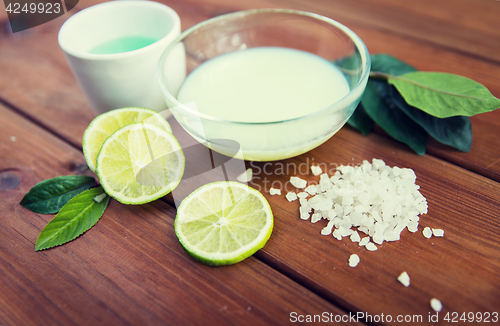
pixel 372 198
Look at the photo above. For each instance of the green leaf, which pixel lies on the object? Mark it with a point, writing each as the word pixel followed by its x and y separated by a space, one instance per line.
pixel 444 95
pixel 361 121
pixel 76 217
pixel 48 196
pixel 390 65
pixel 378 104
pixel 454 131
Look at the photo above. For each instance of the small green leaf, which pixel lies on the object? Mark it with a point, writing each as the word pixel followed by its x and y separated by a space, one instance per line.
pixel 361 121
pixel 48 196
pixel 444 95
pixel 390 65
pixel 378 104
pixel 76 217
pixel 454 131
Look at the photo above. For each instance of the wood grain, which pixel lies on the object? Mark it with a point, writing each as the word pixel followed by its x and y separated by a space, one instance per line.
pixel 129 269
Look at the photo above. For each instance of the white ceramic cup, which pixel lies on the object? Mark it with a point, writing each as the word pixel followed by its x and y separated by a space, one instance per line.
pixel 126 79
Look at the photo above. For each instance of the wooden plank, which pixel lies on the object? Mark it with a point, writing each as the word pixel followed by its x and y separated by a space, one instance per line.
pixel 129 269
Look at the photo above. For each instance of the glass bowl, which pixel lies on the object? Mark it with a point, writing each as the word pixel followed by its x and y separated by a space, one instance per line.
pixel 239 31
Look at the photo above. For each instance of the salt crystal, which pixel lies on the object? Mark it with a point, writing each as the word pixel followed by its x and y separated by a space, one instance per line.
pixel 371 246
pixel 344 231
pixel 404 279
pixel 304 213
pixel 353 260
pixel 427 232
pixel 245 176
pixel 356 218
pixel 315 217
pixel 13 138
pixel 378 237
pixel 324 183
pixel 391 236
pixel 348 210
pixel 316 170
pixel 347 200
pixel 422 208
pixel 302 194
pixel 361 208
pixel 336 234
pixel 436 305
pixel 355 237
pixel 100 197
pixel 298 182
pixel 291 196
pixel 327 229
pixel 312 190
pixel 274 191
pixel 438 232
pixel 303 202
pixel 364 241
pixel 332 214
pixel 377 164
pixel 413 226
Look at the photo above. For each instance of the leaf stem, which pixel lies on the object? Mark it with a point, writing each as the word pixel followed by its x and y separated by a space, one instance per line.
pixel 379 75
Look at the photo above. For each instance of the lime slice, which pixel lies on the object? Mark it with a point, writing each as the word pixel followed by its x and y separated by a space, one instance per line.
pixel 140 163
pixel 107 123
pixel 222 223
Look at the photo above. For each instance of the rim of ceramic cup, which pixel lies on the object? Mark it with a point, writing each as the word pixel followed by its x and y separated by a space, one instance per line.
pixel 350 97
pixel 62 37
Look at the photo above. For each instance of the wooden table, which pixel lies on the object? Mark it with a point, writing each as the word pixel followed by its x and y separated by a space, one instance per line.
pixel 129 269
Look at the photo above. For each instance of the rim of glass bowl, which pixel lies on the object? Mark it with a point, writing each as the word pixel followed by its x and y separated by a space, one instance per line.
pixel 365 59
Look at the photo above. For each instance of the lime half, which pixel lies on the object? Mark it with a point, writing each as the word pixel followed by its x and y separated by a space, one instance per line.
pixel 222 223
pixel 107 123
pixel 140 163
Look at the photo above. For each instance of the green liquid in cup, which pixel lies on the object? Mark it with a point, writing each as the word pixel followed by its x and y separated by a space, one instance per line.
pixel 124 44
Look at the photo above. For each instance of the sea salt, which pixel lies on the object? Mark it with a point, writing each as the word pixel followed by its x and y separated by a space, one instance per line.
pixel 316 170
pixel 355 237
pixel 404 279
pixel 373 198
pixel 312 190
pixel 427 232
pixel 298 182
pixel 302 194
pixel 438 232
pixel 436 305
pixel 364 241
pixel 291 196
pixel 353 260
pixel 274 191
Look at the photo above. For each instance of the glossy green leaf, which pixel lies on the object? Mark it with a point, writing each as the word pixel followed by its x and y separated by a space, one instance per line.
pixel 390 65
pixel 76 217
pixel 378 104
pixel 454 131
pixel 48 196
pixel 444 95
pixel 361 121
